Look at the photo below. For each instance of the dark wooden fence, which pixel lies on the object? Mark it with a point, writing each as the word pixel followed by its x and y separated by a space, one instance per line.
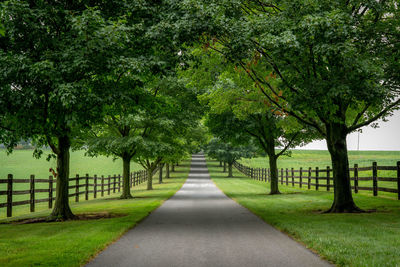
pixel 86 185
pixel 384 178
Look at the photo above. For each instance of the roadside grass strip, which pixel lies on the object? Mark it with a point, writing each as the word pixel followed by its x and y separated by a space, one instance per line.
pixel 73 243
pixel 367 239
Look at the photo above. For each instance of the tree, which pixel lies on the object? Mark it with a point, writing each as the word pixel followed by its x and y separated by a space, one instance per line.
pixel 332 64
pixel 228 153
pixel 50 59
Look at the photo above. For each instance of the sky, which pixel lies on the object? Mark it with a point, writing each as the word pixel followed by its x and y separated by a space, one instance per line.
pixel 386 137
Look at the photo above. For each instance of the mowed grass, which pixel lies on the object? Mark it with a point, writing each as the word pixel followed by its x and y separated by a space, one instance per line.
pixel 368 239
pixel 73 243
pixel 22 164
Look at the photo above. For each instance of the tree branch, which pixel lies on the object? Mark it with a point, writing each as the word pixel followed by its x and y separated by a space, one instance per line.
pixel 376 117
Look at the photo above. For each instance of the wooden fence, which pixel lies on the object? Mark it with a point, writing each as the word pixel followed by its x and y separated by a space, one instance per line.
pixel 98 186
pixel 323 178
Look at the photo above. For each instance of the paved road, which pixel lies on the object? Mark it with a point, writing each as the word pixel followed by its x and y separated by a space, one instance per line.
pixel 200 226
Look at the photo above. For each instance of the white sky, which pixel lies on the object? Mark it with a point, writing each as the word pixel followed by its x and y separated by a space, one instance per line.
pixel 386 137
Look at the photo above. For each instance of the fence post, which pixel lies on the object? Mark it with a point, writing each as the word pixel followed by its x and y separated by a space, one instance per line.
pixel 287 176
pixel 355 178
pixel 281 175
pixel 9 194
pixel 328 177
pixel 114 184
pixel 398 180
pixel 301 177
pixel 32 193
pixel 119 182
pixel 95 186
pixel 102 185
pixel 292 177
pixel 251 173
pixel 375 178
pixel 269 175
pixel 109 185
pixel 316 178
pixel 77 188
pixel 50 192
pixel 309 178
pixel 87 187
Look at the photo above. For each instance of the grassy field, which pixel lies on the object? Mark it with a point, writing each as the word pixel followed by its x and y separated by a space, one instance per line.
pixel 369 239
pixel 321 159
pixel 73 243
pixel 22 164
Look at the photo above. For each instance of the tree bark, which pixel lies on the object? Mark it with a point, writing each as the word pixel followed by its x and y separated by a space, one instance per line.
pixel 167 170
pixel 160 174
pixel 126 189
pixel 274 187
pixel 230 173
pixel 224 167
pixel 150 179
pixel 337 146
pixel 270 150
pixel 62 210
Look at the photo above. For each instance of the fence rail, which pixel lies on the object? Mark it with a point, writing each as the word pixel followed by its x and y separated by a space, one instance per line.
pixel 318 178
pixel 95 185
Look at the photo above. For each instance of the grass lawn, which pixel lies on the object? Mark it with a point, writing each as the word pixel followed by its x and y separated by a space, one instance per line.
pixel 73 243
pixel 370 239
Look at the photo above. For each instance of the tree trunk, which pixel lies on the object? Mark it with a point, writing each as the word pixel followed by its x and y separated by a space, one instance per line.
pixel 150 179
pixel 167 171
pixel 61 210
pixel 160 173
pixel 126 189
pixel 224 167
pixel 230 174
pixel 272 158
pixel 337 146
pixel 173 167
pixel 220 163
pixel 274 173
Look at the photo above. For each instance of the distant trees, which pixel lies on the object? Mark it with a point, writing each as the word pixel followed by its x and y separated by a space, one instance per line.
pixel 240 114
pixel 228 153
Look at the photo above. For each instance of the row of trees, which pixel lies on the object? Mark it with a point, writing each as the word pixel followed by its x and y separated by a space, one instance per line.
pixel 99 75
pixel 315 69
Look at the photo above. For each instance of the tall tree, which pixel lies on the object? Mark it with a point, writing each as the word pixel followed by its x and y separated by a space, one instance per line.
pixel 334 63
pixel 50 58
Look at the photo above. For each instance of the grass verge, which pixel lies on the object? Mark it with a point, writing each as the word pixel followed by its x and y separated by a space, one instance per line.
pixel 370 239
pixel 73 243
